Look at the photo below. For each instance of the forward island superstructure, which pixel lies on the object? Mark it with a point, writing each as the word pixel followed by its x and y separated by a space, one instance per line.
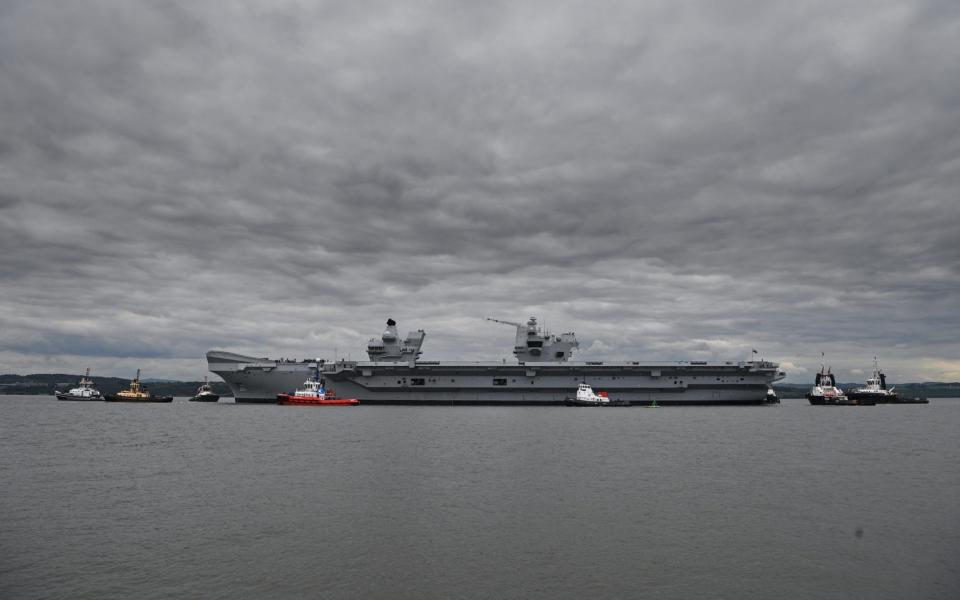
pixel 542 374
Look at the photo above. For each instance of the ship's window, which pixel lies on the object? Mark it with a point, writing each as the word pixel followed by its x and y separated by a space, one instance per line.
pixel 499 381
pixel 534 344
pixel 559 354
pixel 452 380
pixel 398 381
pixel 417 381
pixel 513 381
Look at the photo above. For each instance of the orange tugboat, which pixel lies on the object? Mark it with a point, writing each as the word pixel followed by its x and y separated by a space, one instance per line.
pixel 137 393
pixel 313 394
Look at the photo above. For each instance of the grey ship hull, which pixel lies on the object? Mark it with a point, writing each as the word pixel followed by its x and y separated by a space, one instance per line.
pixel 259 380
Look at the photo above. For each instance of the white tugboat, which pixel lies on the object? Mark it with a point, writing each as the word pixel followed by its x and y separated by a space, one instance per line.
pixel 83 391
pixel 586 397
pixel 205 393
pixel 826 393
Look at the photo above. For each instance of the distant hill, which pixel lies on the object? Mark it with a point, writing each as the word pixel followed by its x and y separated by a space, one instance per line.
pixel 927 389
pixel 44 384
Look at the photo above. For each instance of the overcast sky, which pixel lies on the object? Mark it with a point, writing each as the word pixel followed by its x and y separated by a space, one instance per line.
pixel 670 180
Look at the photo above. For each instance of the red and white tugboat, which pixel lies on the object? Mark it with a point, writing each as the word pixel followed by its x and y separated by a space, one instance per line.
pixel 313 393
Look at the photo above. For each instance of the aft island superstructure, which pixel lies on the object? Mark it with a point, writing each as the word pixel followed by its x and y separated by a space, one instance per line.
pixel 542 374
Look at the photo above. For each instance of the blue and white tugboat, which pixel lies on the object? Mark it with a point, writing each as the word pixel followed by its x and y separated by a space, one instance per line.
pixel 586 397
pixel 83 391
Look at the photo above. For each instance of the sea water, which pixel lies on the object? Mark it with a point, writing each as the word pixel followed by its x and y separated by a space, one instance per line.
pixel 191 500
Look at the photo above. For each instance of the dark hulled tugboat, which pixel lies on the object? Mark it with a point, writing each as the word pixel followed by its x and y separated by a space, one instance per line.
pixel 137 393
pixel 205 393
pixel 876 391
pixel 83 391
pixel 772 397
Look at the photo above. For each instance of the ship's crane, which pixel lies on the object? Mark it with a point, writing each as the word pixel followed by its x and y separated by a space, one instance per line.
pixel 504 322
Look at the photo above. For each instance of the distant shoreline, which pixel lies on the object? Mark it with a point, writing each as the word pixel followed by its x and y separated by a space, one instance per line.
pixel 44 384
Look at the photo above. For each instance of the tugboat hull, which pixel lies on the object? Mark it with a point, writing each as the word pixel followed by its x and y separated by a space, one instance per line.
pixel 848 401
pixel 867 398
pixel 139 400
pixel 62 396
pixel 575 402
pixel 205 398
pixel 291 400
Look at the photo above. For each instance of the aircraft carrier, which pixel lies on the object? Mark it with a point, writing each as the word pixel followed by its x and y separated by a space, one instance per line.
pixel 542 374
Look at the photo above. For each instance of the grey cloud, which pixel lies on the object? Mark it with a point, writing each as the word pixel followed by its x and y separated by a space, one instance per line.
pixel 669 180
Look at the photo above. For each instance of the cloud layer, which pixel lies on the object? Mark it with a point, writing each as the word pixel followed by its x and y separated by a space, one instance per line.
pixel 671 180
